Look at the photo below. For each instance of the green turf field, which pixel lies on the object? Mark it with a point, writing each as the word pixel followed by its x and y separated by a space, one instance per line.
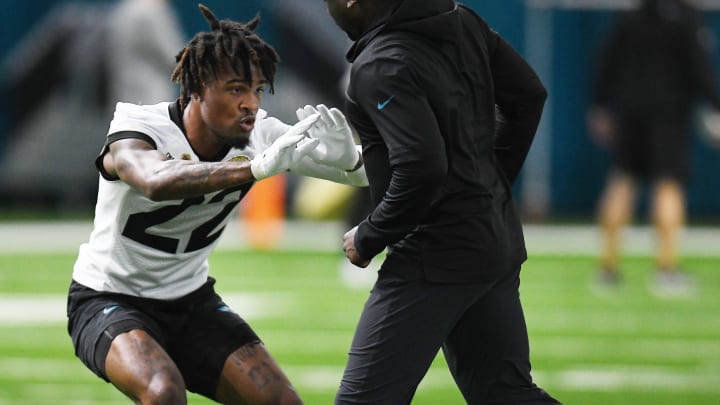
pixel 588 347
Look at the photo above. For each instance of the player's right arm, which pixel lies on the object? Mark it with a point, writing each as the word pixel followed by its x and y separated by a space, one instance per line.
pixel 139 164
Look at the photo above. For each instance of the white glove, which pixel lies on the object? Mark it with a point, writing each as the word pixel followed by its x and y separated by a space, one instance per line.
pixel 337 146
pixel 286 150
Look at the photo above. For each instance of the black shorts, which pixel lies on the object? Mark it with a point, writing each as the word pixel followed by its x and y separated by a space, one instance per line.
pixel 652 148
pixel 198 331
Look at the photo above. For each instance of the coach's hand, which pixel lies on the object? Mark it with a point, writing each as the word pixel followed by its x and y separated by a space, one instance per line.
pixel 351 252
pixel 285 151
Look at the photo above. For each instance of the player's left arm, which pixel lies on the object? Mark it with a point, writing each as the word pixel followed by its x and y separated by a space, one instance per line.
pixel 138 163
pixel 311 168
pixel 268 128
pixel 337 146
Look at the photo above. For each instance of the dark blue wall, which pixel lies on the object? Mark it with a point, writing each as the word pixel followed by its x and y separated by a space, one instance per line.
pixel 578 166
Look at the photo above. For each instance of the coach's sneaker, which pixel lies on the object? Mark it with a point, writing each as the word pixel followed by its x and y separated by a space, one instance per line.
pixel 606 281
pixel 673 283
pixel 609 277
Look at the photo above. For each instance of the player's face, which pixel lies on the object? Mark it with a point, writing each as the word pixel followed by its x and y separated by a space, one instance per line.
pixel 345 17
pixel 229 106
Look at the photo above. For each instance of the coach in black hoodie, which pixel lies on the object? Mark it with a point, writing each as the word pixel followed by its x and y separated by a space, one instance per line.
pixel 446 111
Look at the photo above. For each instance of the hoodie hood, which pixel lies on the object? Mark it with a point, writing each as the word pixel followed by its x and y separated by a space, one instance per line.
pixel 668 10
pixel 428 18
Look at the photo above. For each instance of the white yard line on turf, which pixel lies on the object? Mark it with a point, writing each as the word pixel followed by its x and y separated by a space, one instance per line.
pixel 608 377
pixel 19 237
pixel 614 377
pixel 37 309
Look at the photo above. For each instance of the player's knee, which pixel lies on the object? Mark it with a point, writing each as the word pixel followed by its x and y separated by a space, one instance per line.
pixel 166 389
pixel 287 397
pixel 614 219
pixel 614 213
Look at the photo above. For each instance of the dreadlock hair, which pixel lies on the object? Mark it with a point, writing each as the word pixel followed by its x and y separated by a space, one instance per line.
pixel 229 44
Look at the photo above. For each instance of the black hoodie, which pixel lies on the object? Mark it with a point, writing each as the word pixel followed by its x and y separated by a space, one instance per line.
pixel 425 87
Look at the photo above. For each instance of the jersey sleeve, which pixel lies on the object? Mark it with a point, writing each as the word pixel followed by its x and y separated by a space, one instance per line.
pixel 131 118
pixel 130 121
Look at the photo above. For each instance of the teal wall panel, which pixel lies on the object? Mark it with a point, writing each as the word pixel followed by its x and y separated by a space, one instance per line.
pixel 577 166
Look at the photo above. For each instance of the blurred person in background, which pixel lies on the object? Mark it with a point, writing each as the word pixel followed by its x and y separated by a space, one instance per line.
pixel 427 80
pixel 655 66
pixel 142 309
pixel 54 91
pixel 143 38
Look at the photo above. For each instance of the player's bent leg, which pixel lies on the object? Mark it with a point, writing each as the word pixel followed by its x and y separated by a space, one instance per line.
pixel 488 352
pixel 615 211
pixel 251 376
pixel 669 218
pixel 139 367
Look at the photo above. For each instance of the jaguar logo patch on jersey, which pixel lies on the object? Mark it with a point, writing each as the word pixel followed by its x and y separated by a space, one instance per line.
pixel 185 156
pixel 241 158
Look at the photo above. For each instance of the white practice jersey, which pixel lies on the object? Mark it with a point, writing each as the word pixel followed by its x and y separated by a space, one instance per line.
pixel 159 249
